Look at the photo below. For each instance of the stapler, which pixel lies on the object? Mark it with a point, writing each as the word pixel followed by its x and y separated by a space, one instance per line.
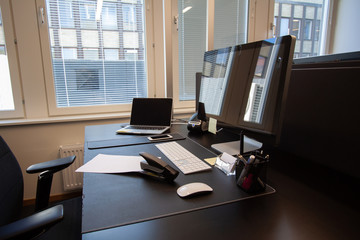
pixel 157 168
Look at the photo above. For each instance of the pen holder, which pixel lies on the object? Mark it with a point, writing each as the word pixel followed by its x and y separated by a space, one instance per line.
pixel 251 177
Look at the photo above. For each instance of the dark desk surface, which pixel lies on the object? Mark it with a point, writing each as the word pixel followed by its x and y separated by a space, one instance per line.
pixel 309 204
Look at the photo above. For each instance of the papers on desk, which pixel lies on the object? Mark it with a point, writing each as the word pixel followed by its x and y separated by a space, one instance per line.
pixel 103 163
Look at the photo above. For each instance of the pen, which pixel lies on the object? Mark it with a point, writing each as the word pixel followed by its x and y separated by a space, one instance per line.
pixel 242 158
pixel 245 170
pixel 251 159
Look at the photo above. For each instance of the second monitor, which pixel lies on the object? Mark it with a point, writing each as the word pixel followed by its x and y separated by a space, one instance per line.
pixel 246 85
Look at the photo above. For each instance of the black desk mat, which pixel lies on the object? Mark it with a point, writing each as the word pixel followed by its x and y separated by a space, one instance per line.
pixel 112 200
pixel 128 141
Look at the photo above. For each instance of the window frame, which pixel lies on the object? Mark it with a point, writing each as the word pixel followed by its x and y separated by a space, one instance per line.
pixel 175 60
pixel 172 65
pixel 10 42
pixel 53 109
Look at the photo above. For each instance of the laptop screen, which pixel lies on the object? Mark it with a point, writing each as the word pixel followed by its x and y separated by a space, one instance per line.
pixel 151 111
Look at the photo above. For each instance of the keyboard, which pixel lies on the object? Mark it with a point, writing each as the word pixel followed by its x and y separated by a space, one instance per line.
pixel 182 158
pixel 144 127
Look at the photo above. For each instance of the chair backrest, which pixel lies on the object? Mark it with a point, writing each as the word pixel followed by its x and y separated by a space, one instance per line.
pixel 11 185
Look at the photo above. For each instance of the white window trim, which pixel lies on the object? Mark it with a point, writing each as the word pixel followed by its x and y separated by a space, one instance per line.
pixel 172 65
pixel 327 27
pixel 260 20
pixel 175 59
pixel 10 40
pixel 53 110
pixel 158 88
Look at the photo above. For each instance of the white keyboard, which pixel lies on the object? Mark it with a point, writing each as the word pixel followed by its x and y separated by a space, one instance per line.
pixel 182 158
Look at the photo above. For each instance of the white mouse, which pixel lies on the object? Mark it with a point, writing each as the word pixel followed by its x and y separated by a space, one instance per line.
pixel 193 188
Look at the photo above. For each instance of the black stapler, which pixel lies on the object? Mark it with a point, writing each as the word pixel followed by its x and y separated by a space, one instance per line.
pixel 157 168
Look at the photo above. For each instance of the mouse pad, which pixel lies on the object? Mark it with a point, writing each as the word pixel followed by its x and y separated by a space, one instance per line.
pixel 111 200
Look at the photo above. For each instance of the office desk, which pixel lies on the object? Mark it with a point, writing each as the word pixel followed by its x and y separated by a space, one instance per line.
pixel 295 211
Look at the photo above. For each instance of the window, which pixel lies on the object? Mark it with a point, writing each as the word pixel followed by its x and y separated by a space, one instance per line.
pixel 65 11
pixel 98 59
pixel 98 64
pixel 308 30
pixel 109 16
pixel 111 54
pixel 6 97
pixel 230 23
pixel 129 17
pixel 304 20
pixel 192 44
pixel 284 26
pixel 296 25
pixel 10 93
pixel 196 34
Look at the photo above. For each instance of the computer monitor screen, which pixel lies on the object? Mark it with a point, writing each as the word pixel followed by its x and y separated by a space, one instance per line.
pixel 215 79
pixel 266 62
pixel 245 85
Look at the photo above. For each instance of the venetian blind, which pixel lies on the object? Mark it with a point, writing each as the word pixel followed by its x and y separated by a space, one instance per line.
pixel 230 28
pixel 192 44
pixel 230 23
pixel 98 51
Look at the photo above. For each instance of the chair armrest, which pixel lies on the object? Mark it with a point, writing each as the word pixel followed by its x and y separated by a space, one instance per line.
pixel 46 170
pixel 54 165
pixel 33 224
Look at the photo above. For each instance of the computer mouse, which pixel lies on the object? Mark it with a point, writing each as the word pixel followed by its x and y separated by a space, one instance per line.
pixel 194 188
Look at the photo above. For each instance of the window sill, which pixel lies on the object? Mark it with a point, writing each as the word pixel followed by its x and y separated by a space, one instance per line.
pixel 62 119
pixel 77 118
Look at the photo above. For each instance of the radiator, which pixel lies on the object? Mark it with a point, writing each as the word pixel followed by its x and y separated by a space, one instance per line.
pixel 71 179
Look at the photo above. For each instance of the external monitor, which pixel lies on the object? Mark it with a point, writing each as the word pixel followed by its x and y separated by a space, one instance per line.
pixel 214 79
pixel 245 86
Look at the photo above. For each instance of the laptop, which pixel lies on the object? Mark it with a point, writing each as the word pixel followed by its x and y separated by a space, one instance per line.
pixel 149 116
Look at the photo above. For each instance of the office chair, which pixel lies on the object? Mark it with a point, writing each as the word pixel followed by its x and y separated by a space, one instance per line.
pixel 11 199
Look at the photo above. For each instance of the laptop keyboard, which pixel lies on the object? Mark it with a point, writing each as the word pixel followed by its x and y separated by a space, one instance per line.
pixel 145 128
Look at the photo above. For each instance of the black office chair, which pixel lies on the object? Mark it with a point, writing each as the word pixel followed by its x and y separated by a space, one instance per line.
pixel 41 223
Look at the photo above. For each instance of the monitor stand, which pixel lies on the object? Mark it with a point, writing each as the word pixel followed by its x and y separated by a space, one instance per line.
pixel 233 148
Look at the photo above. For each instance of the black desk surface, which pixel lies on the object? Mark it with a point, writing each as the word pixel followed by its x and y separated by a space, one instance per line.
pixel 300 209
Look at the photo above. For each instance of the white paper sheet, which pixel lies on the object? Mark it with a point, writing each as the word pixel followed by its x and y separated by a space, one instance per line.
pixel 103 163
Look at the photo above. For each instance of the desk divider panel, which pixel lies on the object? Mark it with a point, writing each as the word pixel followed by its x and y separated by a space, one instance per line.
pixel 111 200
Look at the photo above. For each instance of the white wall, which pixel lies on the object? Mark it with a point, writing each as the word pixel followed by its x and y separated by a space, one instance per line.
pixel 346 34
pixel 37 143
